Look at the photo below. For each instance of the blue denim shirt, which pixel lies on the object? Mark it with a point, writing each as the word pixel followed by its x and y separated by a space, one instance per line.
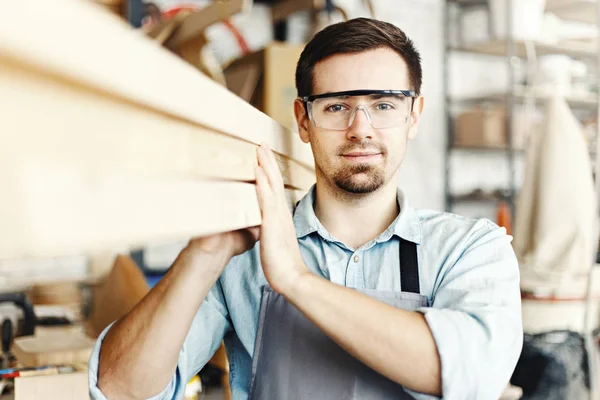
pixel 468 271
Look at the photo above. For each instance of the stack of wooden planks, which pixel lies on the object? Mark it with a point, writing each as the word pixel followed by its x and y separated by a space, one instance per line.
pixel 107 140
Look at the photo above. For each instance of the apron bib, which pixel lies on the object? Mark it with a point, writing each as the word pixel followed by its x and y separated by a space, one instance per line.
pixel 293 359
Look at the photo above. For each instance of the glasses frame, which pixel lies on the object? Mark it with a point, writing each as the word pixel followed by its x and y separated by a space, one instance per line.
pixel 361 92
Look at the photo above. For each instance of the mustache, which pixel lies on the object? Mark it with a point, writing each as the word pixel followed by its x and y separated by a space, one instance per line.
pixel 364 146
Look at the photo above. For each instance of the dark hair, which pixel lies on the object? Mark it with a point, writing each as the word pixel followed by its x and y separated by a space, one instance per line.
pixel 355 36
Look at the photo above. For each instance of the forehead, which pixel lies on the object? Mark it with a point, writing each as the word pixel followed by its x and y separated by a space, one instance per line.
pixel 374 69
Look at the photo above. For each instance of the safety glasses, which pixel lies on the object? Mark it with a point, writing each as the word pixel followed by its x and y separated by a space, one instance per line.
pixel 382 108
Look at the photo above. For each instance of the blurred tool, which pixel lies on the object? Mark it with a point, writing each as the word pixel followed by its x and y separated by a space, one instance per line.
pixel 24 328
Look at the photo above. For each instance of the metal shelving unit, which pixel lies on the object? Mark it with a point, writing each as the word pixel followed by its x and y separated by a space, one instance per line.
pixel 587 11
pixel 588 101
pixel 509 49
pixel 500 48
pixel 516 93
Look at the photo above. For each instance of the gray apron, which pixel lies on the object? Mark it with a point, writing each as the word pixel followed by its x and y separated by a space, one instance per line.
pixel 294 360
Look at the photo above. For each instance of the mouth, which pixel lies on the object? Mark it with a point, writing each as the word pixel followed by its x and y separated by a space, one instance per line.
pixel 361 156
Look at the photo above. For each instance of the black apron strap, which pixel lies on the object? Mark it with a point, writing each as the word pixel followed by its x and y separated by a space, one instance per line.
pixel 409 267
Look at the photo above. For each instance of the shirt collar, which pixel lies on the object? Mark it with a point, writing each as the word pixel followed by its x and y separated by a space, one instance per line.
pixel 407 225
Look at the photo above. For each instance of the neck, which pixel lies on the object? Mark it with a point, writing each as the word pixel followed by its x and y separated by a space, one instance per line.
pixel 356 219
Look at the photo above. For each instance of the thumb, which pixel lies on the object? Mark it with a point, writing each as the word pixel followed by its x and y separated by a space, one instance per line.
pixel 254 232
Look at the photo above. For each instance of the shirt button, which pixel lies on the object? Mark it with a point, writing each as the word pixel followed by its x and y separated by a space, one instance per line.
pixel 356 258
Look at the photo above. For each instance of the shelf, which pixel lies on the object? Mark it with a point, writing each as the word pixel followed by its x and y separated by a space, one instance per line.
pixel 574 10
pixel 570 10
pixel 500 48
pixel 469 2
pixel 484 149
pixel 521 93
pixel 480 197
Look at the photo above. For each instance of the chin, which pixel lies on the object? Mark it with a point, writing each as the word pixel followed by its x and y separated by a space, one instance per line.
pixel 360 183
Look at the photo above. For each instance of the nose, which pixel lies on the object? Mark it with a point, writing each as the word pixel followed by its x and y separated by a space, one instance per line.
pixel 360 127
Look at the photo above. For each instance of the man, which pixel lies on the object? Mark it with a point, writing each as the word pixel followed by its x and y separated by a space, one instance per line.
pixel 356 295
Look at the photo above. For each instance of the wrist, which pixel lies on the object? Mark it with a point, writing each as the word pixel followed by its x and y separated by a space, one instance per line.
pixel 296 286
pixel 206 262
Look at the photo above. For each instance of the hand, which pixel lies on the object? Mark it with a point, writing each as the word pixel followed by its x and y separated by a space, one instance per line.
pixel 221 247
pixel 232 243
pixel 280 255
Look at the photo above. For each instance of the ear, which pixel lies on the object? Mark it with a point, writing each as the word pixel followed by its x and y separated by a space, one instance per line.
pixel 415 117
pixel 302 120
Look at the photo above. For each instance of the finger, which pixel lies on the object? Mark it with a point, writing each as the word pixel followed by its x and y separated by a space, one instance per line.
pixel 263 189
pixel 255 232
pixel 275 164
pixel 249 237
pixel 269 163
pixel 271 159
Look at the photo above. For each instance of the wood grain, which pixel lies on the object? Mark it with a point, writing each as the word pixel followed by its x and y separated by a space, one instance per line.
pixel 85 45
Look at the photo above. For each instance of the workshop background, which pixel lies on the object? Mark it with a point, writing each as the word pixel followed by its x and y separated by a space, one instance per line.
pixel 509 133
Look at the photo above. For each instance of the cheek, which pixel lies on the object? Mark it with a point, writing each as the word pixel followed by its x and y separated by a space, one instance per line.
pixel 396 151
pixel 322 148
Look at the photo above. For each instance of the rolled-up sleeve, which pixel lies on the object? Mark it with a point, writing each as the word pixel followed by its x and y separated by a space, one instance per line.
pixel 203 339
pixel 475 316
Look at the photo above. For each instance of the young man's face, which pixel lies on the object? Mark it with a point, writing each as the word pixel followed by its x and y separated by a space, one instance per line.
pixel 359 159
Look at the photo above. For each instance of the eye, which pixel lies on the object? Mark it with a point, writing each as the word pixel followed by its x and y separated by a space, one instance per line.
pixel 384 107
pixel 335 108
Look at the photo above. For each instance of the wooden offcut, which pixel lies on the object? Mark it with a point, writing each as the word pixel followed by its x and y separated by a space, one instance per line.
pixel 55 348
pixel 57 387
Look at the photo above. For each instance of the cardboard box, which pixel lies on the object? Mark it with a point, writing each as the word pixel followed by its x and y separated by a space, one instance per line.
pixel 481 127
pixel 266 79
pixel 115 297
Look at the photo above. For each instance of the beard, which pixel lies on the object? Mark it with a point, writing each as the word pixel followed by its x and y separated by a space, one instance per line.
pixel 361 178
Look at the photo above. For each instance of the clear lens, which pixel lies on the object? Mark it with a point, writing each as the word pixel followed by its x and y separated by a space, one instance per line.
pixel 338 113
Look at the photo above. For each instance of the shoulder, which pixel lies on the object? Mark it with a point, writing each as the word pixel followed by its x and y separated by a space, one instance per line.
pixel 455 245
pixel 456 229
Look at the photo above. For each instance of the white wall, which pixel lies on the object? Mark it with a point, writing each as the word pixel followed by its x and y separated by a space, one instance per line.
pixel 422 174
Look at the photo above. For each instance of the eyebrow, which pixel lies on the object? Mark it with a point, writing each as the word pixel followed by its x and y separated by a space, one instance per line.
pixel 346 97
pixel 370 96
pixel 383 96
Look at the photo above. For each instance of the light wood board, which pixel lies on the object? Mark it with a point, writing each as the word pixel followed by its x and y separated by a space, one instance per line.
pixel 53 212
pixel 45 120
pixel 83 44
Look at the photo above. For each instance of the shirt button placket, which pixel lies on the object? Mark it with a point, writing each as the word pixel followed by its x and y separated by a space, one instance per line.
pixel 351 271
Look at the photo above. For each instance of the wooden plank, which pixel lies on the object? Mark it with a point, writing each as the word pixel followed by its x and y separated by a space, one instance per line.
pixel 88 47
pixel 50 121
pixel 48 212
